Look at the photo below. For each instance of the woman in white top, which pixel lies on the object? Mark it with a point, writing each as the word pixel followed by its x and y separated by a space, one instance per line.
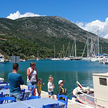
pixel 50 87
pixel 32 78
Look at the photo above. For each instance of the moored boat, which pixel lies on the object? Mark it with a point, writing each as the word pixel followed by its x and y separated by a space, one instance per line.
pixel 104 60
pixel 2 58
pixel 1 79
pixel 85 95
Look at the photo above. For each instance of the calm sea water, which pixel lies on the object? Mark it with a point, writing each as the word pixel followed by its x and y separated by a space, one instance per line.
pixel 70 71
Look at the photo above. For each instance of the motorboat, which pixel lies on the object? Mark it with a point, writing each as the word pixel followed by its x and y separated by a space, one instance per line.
pixel 1 79
pixel 104 60
pixel 2 58
pixel 85 95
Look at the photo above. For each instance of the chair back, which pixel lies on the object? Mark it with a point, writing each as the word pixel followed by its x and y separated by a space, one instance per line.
pixel 63 99
pixel 3 84
pixel 23 94
pixel 31 88
pixel 6 99
pixel 6 87
pixel 1 95
pixel 33 97
pixel 56 105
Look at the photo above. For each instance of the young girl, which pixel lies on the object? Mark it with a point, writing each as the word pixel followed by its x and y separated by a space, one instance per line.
pixel 39 87
pixel 50 87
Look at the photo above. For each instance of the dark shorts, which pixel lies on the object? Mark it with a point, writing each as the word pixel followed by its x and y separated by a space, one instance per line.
pixel 50 93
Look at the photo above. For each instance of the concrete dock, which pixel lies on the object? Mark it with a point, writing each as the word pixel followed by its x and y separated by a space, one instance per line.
pixel 71 103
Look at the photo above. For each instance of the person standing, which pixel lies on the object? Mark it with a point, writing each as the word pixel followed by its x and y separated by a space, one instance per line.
pixel 61 90
pixel 39 86
pixel 32 77
pixel 15 80
pixel 51 87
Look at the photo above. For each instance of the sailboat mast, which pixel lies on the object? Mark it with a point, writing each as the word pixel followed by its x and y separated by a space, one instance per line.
pixel 63 50
pixel 98 45
pixel 91 47
pixel 87 47
pixel 75 47
pixel 54 51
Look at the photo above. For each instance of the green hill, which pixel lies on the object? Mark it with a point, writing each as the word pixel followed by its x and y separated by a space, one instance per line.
pixel 27 36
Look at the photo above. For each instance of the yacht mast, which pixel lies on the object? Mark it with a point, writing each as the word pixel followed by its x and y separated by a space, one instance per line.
pixel 75 47
pixel 98 45
pixel 88 47
pixel 63 50
pixel 54 51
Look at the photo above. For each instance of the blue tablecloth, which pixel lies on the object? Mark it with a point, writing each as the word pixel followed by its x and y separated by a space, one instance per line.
pixel 33 103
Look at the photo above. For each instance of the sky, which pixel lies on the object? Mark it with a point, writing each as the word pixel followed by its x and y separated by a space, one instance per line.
pixel 91 15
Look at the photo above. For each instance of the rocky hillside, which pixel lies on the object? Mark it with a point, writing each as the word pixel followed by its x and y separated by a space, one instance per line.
pixel 37 36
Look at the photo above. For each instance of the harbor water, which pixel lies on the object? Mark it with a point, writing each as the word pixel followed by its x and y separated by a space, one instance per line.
pixel 70 71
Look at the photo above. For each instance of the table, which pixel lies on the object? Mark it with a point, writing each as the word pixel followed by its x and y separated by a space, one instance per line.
pixel 13 105
pixel 33 103
pixel 2 85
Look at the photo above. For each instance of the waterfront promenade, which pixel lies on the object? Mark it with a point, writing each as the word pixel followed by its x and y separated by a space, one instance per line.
pixel 71 104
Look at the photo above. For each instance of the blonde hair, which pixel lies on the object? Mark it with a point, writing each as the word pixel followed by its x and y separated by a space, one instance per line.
pixel 50 77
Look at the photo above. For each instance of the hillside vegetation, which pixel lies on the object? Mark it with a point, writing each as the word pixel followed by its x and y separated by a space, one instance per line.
pixel 36 36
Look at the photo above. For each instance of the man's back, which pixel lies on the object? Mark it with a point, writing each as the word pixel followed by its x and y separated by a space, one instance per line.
pixel 15 80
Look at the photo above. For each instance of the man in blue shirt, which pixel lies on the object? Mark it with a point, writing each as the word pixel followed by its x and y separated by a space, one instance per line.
pixel 15 80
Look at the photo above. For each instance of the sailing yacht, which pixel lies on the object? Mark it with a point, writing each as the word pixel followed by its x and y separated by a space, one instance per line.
pixel 89 50
pixel 54 56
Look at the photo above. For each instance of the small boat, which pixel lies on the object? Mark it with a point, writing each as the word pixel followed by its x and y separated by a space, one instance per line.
pixel 76 58
pixel 104 60
pixel 2 59
pixel 22 60
pixel 1 79
pixel 65 58
pixel 86 58
pixel 55 59
pixel 85 95
pixel 95 59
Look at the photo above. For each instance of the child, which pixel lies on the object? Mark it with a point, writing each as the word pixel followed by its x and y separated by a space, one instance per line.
pixel 61 90
pixel 50 87
pixel 39 87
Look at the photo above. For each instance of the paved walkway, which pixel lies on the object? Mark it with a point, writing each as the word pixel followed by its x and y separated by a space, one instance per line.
pixel 71 104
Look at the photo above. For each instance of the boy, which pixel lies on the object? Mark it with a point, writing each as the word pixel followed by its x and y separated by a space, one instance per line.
pixel 61 90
